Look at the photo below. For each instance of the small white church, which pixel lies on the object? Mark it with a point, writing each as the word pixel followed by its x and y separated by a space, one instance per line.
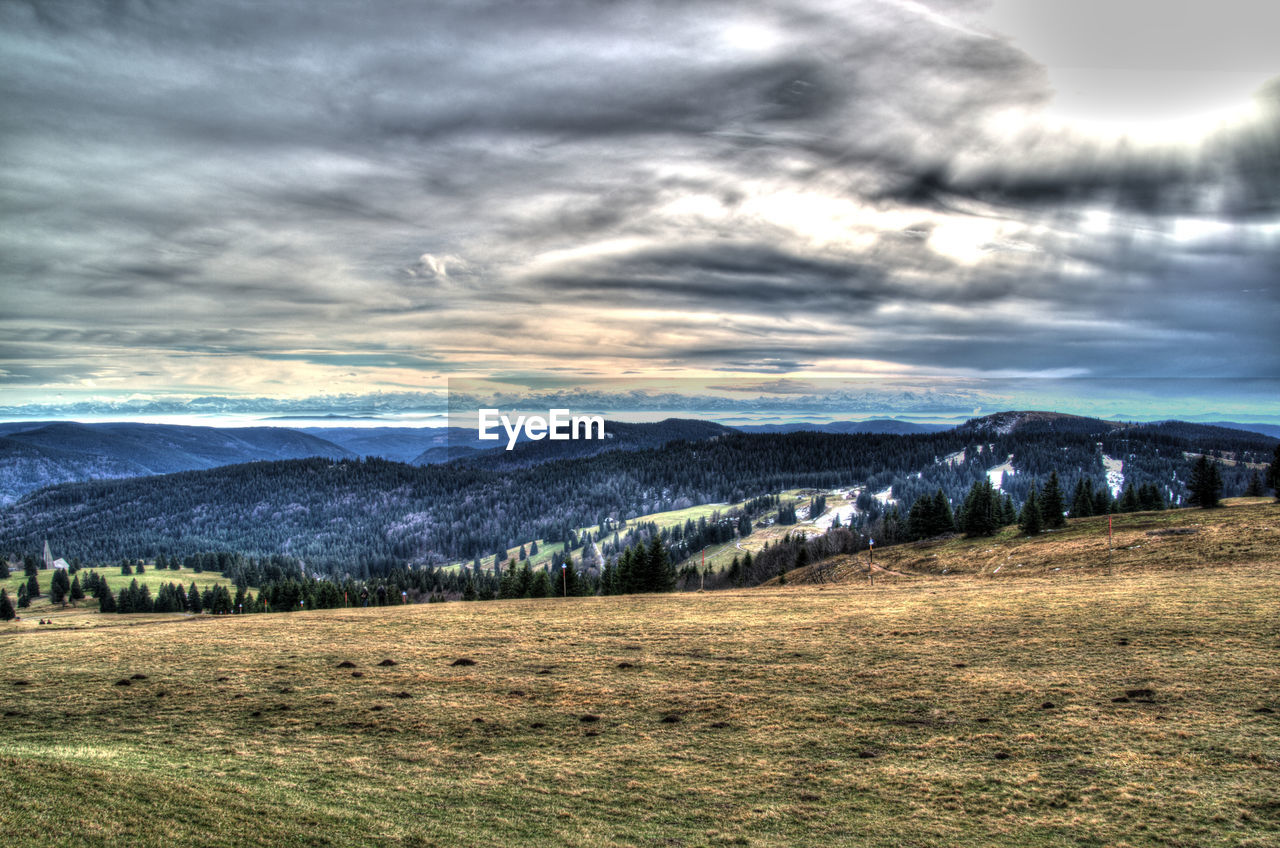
pixel 50 562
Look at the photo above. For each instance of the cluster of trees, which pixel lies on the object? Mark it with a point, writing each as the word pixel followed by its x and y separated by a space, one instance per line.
pixel 170 597
pixel 371 516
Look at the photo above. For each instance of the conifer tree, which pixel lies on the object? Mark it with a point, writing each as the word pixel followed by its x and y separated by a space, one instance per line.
pixel 1031 521
pixel 1052 504
pixel 59 586
pixel 1205 484
pixel 1102 500
pixel 568 578
pixel 1129 500
pixel 539 586
pixel 944 521
pixel 106 600
pixel 33 587
pixel 4 568
pixel 1254 489
pixel 981 513
pixel 1273 474
pixel 77 591
pixel 193 599
pixel 7 612
pixel 24 597
pixel 660 576
pixel 1008 512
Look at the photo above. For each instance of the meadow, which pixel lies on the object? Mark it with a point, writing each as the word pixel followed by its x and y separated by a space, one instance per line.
pixel 1129 706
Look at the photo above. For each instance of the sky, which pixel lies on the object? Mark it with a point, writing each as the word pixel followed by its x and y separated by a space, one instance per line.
pixel 345 206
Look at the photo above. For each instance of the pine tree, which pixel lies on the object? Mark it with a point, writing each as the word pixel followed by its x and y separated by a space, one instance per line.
pixel 77 591
pixel 7 612
pixel 568 578
pixel 24 597
pixel 981 513
pixel 59 586
pixel 125 568
pixel 1254 489
pixel 33 587
pixel 4 568
pixel 1102 501
pixel 1008 512
pixel 106 600
pixel 540 585
pixel 1273 474
pixel 1052 504
pixel 1205 485
pixel 944 521
pixel 1032 520
pixel 1129 500
pixel 193 599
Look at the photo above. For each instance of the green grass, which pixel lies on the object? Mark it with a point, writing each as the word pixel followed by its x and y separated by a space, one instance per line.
pixel 909 714
pixel 85 613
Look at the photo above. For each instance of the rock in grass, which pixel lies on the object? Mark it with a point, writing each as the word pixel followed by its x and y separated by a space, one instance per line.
pixel 463 661
pixel 387 662
pixel 346 664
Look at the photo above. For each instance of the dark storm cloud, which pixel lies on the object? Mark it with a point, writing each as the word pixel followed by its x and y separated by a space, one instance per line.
pixel 425 187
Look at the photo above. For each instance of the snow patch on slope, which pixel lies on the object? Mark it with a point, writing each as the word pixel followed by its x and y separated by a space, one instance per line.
pixel 996 475
pixel 1115 474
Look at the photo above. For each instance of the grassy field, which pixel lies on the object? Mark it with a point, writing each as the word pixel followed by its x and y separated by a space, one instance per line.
pixel 671 518
pixel 1047 708
pixel 85 613
pixel 1245 530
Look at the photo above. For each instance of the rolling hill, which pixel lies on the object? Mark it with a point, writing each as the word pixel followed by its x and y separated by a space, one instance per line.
pixel 62 451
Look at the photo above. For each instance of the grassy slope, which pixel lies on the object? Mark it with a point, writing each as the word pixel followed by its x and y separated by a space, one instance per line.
pixel 958 710
pixel 86 612
pixel 1245 530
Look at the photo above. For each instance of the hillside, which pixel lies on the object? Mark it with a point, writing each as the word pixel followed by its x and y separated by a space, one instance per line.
pixel 619 435
pixel 1244 532
pixel 63 451
pixel 1068 708
pixel 360 515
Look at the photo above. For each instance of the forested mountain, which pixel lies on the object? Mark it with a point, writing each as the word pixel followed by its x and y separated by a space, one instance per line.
pixel 876 425
pixel 361 517
pixel 619 435
pixel 42 454
pixel 400 444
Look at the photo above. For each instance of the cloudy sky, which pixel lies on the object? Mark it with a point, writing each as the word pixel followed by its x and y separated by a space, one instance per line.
pixel 296 200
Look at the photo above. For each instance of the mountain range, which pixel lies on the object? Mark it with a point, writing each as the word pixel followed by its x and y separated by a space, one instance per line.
pixel 34 455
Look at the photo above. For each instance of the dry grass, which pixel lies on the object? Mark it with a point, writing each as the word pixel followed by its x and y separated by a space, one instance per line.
pixel 962 710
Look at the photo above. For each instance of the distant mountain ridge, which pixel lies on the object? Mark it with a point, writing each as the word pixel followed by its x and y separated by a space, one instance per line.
pixel 890 426
pixel 37 454
pixel 64 451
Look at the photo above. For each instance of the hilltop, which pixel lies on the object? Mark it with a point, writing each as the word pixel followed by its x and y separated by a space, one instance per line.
pixel 1245 532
